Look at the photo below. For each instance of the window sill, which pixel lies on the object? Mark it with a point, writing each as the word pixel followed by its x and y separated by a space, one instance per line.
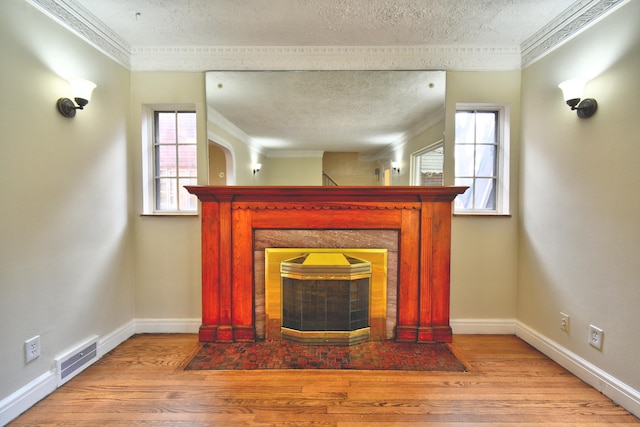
pixel 171 214
pixel 482 214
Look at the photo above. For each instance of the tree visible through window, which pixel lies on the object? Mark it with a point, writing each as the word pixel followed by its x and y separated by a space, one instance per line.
pixel 175 161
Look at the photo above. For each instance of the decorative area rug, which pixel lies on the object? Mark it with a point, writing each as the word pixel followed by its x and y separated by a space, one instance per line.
pixel 373 355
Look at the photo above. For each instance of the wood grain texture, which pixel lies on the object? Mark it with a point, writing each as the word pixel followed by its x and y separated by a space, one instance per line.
pixel 142 382
pixel 228 248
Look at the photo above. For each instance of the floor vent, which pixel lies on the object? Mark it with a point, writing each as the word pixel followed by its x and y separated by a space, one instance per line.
pixel 75 361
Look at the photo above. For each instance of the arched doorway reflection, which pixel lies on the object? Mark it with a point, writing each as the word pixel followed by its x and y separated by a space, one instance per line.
pixel 220 165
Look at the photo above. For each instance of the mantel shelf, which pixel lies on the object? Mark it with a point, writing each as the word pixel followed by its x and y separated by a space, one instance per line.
pixel 328 193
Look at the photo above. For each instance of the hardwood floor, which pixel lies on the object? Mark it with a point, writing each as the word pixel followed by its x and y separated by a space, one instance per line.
pixel 142 382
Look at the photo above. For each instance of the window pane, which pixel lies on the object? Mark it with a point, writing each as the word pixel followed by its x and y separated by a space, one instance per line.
pixel 187 128
pixel 465 200
pixel 464 161
pixel 484 194
pixel 485 160
pixel 187 160
pixel 166 128
pixel 465 127
pixel 166 191
pixel 486 126
pixel 166 160
pixel 187 201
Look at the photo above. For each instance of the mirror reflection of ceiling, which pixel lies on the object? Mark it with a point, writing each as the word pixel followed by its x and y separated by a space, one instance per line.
pixel 353 111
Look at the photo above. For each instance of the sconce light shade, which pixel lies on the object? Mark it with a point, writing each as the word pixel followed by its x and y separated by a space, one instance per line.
pixel 395 166
pixel 81 92
pixel 572 91
pixel 256 168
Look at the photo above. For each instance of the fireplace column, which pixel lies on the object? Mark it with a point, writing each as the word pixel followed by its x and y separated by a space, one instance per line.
pixel 226 286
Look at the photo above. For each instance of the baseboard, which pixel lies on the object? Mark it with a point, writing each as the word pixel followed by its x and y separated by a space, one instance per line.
pixel 24 398
pixel 614 389
pixel 167 326
pixel 483 326
pixel 110 341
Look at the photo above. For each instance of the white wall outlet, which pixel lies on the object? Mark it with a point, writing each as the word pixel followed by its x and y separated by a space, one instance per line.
pixel 564 322
pixel 32 348
pixel 595 337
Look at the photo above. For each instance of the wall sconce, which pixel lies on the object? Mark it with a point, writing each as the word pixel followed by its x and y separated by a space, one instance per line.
pixel 81 91
pixel 572 92
pixel 396 167
pixel 256 168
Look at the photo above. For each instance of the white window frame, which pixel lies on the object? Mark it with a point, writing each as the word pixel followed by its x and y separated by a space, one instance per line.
pixel 414 158
pixel 148 169
pixel 502 160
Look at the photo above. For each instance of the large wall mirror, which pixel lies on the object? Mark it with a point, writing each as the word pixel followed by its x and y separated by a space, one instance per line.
pixel 352 121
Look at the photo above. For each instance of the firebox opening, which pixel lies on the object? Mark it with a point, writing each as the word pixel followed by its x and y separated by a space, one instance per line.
pixel 326 298
pixel 356 323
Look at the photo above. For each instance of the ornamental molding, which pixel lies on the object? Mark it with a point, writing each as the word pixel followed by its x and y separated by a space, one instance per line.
pixel 87 26
pixel 190 58
pixel 570 23
pixel 319 206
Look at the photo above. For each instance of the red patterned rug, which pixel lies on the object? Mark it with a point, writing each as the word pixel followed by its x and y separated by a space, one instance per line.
pixel 373 355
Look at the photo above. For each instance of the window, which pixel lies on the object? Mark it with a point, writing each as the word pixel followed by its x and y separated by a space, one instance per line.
pixel 172 162
pixel 427 165
pixel 481 159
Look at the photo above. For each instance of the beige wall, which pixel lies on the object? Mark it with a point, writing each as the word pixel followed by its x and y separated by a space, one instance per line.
pixel 484 253
pixel 350 169
pixel 167 251
pixel 580 234
pixel 66 253
pixel 291 170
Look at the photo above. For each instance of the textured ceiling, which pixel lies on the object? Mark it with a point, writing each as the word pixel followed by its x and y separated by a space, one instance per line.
pixel 325 22
pixel 357 111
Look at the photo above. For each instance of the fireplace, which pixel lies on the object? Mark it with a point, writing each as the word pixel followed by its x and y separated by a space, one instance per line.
pixel 325 298
pixel 232 217
pixel 269 300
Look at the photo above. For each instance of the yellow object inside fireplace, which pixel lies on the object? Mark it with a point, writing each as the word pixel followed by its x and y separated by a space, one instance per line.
pixel 377 258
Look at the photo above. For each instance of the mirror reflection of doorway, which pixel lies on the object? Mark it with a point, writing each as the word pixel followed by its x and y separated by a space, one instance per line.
pixel 217 164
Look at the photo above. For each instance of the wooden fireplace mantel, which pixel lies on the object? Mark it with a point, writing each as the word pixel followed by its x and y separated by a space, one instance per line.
pixel 422 216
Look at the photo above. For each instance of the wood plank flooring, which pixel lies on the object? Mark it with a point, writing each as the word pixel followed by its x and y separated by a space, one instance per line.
pixel 142 382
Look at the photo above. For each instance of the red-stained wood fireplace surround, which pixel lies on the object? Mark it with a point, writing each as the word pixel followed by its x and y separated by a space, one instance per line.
pixel 421 215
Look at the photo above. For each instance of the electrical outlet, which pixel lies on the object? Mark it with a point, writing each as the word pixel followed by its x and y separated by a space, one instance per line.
pixel 32 348
pixel 595 337
pixel 564 322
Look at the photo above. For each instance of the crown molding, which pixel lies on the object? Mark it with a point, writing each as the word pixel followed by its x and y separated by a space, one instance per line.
pixel 387 151
pixel 572 21
pixel 79 20
pixel 201 58
pixel 88 27
pixel 224 124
